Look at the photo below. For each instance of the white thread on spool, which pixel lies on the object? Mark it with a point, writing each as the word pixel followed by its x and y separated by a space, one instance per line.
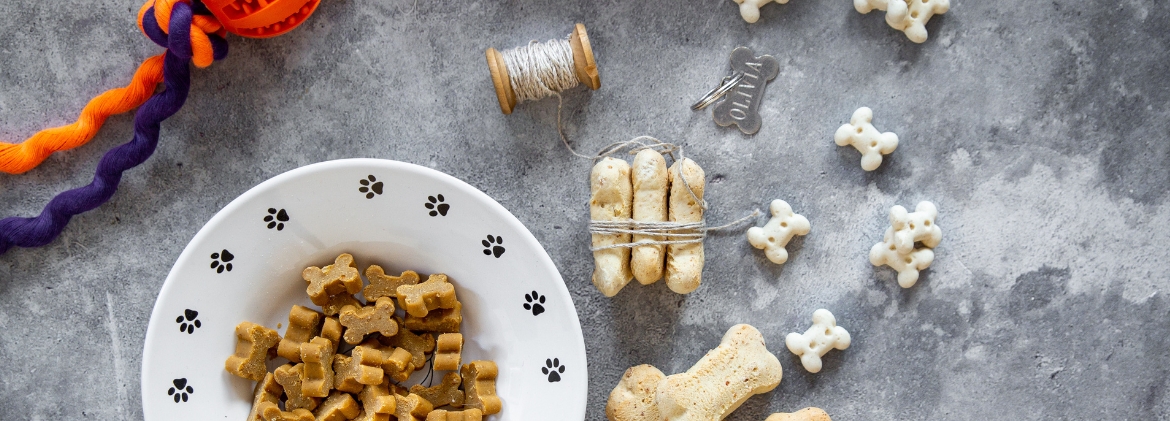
pixel 540 70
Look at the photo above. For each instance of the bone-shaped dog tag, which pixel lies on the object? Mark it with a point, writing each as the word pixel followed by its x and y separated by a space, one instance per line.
pixel 742 105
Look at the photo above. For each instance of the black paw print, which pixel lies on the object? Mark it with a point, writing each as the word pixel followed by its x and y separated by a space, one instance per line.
pixel 181 390
pixel 370 186
pixel 553 368
pixel 219 261
pixel 534 302
pixel 188 322
pixel 276 219
pixel 491 246
pixel 436 205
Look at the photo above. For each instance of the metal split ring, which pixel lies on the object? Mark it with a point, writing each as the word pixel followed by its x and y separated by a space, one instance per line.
pixel 724 87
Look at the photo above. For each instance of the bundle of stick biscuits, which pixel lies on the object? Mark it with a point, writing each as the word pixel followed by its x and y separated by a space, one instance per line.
pixel 351 361
pixel 645 194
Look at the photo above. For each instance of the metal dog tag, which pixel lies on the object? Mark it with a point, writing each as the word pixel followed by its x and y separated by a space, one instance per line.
pixel 741 106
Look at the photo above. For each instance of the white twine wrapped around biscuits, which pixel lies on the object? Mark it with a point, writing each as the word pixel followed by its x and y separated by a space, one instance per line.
pixel 647 222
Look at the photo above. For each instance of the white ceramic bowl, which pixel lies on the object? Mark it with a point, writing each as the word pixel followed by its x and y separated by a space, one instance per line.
pixel 245 264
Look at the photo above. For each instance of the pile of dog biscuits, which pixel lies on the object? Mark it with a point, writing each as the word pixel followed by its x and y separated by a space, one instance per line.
pixel 348 361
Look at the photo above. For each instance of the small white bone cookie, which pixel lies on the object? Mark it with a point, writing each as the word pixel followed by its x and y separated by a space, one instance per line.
pixel 779 230
pixel 908 16
pixel 918 226
pixel 750 9
pixel 817 340
pixel 722 380
pixel 907 265
pixel 612 200
pixel 633 398
pixel 861 134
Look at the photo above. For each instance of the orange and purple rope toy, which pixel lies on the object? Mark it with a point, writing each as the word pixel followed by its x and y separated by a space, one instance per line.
pixel 190 30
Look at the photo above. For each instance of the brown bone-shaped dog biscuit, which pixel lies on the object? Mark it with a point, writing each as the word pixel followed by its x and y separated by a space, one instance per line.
pixel 332 330
pixel 303 324
pixel 363 367
pixel 383 285
pixel 267 390
pixel 333 279
pixel 448 351
pixel 396 362
pixel 290 377
pixel 338 302
pixel 252 344
pixel 318 357
pixel 479 386
pixel 361 321
pixel 472 414
pixel 419 299
pixel 268 411
pixel 445 320
pixel 411 407
pixel 377 402
pixel 338 407
pixel 445 393
pixel 417 345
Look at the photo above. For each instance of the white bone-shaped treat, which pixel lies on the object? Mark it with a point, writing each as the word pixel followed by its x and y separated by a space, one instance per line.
pixel 750 9
pixel 817 340
pixel 911 17
pixel 861 134
pixel 779 230
pixel 722 380
pixel 633 398
pixel 918 226
pixel 908 16
pixel 866 6
pixel 907 265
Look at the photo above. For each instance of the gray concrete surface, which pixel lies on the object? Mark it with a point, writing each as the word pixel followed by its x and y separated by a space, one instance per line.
pixel 1038 128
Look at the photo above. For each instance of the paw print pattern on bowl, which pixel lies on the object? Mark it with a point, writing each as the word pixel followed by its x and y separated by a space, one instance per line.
pixel 181 391
pixel 553 369
pixel 436 205
pixel 534 302
pixel 370 186
pixel 276 219
pixel 493 246
pixel 188 321
pixel 221 261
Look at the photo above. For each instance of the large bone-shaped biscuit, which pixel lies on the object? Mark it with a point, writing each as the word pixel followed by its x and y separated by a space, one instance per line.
pixel 741 106
pixel 806 414
pixel 420 299
pixel 861 134
pixel 722 380
pixel 303 325
pixel 779 230
pixel 817 340
pixel 633 399
pixel 918 226
pixel 363 321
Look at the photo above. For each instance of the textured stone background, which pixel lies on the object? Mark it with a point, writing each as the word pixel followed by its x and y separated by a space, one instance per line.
pixel 1038 128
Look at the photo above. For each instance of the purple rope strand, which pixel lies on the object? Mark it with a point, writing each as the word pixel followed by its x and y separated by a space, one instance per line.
pixel 42 229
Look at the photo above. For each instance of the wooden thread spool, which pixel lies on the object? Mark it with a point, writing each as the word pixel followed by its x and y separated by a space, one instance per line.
pixel 584 66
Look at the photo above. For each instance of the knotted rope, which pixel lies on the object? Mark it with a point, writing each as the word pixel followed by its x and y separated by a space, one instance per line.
pixel 189 33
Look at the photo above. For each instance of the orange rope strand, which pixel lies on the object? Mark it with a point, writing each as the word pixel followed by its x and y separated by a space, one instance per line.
pixel 21 157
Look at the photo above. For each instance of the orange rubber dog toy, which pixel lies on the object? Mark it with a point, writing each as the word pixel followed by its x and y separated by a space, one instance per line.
pixel 261 18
